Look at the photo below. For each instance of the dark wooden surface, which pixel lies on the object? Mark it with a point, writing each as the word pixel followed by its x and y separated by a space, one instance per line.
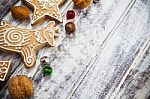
pixel 5 6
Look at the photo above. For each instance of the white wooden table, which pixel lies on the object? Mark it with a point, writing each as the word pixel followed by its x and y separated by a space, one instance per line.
pixel 108 56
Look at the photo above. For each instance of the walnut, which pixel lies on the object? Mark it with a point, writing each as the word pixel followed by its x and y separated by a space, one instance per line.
pixel 20 12
pixel 82 3
pixel 20 87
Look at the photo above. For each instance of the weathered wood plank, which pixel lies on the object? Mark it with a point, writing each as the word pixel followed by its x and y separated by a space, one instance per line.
pixel 117 56
pixel 73 55
pixel 137 83
pixel 15 58
pixel 5 6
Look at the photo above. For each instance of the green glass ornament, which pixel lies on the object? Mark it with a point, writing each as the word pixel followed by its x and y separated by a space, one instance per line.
pixel 47 70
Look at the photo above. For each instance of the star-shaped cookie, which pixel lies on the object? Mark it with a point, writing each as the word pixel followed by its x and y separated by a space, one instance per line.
pixel 60 2
pixel 43 8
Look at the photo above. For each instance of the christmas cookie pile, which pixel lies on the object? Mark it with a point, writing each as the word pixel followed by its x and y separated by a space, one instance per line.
pixel 27 41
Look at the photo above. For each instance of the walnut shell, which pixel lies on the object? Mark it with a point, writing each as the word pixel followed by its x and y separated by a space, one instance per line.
pixel 82 3
pixel 20 12
pixel 20 87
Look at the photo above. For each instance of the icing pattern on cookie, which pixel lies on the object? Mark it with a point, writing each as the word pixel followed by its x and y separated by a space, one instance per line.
pixel 60 2
pixel 44 8
pixel 4 68
pixel 26 41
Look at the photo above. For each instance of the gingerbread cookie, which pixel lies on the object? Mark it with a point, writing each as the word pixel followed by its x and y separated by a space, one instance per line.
pixel 4 69
pixel 26 41
pixel 43 8
pixel 60 2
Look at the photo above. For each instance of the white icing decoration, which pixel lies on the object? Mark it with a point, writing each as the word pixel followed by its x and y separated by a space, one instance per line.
pixel 5 65
pixel 36 33
pixel 46 7
pixel 14 38
pixel 36 12
pixel 25 41
pixel 45 3
pixel 38 38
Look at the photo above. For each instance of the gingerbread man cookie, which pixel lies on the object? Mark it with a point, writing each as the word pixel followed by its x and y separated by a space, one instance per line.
pixel 26 41
pixel 43 8
pixel 4 69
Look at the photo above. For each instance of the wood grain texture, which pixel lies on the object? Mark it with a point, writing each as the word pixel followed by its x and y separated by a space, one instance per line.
pixel 119 53
pixel 73 54
pixel 137 83
pixel 90 63
pixel 5 6
pixel 16 58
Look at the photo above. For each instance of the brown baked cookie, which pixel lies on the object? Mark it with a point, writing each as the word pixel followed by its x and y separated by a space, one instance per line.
pixel 61 2
pixel 44 8
pixel 5 67
pixel 26 41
